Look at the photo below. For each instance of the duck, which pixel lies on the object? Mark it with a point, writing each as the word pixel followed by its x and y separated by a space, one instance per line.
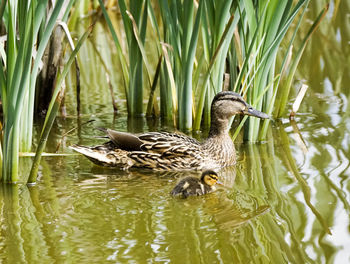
pixel 175 151
pixel 192 186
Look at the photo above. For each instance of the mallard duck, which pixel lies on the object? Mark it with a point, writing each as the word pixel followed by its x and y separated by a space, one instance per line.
pixel 192 186
pixel 175 151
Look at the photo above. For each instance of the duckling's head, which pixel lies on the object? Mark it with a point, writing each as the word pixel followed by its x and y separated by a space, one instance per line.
pixel 227 104
pixel 209 177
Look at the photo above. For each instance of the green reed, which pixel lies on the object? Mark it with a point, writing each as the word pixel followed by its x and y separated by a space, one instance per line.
pixel 134 19
pixel 262 28
pixel 55 103
pixel 18 74
pixel 28 30
pixel 217 28
pixel 283 95
pixel 201 44
pixel 181 25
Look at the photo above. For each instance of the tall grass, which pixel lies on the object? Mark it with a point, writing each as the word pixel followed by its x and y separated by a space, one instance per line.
pixel 283 94
pixel 18 74
pixel 134 19
pixel 55 103
pixel 181 33
pixel 28 30
pixel 217 28
pixel 202 43
pixel 263 26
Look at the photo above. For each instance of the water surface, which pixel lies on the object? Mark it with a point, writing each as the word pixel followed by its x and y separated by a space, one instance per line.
pixel 286 200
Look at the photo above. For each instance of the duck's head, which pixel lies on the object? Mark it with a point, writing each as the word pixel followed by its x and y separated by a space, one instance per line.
pixel 227 104
pixel 209 177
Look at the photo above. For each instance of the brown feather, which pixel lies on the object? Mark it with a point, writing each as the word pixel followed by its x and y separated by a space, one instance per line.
pixel 175 151
pixel 123 140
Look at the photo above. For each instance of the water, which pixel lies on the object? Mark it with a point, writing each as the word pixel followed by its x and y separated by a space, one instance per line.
pixel 286 200
pixel 278 204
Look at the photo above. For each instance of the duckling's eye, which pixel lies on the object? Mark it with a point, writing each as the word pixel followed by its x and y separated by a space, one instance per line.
pixel 214 177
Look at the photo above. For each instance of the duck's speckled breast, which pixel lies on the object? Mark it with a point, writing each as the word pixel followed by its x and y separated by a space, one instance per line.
pixel 218 152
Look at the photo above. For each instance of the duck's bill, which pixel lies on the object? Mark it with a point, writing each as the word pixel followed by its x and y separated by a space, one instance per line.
pixel 253 112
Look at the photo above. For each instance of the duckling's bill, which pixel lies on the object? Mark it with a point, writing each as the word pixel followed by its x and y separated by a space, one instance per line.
pixel 219 183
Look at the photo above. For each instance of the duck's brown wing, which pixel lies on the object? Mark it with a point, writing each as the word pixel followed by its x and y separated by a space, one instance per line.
pixel 124 141
pixel 159 150
pixel 153 142
pixel 164 142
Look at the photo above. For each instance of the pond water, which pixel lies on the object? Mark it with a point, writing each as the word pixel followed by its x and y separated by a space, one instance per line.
pixel 286 200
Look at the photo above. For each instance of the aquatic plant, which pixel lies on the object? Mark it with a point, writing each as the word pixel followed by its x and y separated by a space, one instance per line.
pixel 18 75
pixel 28 30
pixel 261 30
pixel 54 106
pixel 135 23
pixel 202 44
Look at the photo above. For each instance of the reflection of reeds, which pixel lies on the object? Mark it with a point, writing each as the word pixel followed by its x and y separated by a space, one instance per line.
pixel 265 173
pixel 262 217
pixel 289 161
pixel 27 242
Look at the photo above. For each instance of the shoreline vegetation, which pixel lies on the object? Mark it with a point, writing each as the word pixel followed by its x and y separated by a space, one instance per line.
pixel 202 47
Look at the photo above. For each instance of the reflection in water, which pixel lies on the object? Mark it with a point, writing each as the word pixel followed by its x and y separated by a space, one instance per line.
pixel 279 204
pixel 237 209
pixel 83 213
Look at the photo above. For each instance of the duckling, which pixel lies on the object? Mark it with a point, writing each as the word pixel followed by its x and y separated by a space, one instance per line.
pixel 175 151
pixel 192 186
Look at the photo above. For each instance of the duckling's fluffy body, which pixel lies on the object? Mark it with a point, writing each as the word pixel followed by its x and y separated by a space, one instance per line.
pixel 192 186
pixel 174 151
